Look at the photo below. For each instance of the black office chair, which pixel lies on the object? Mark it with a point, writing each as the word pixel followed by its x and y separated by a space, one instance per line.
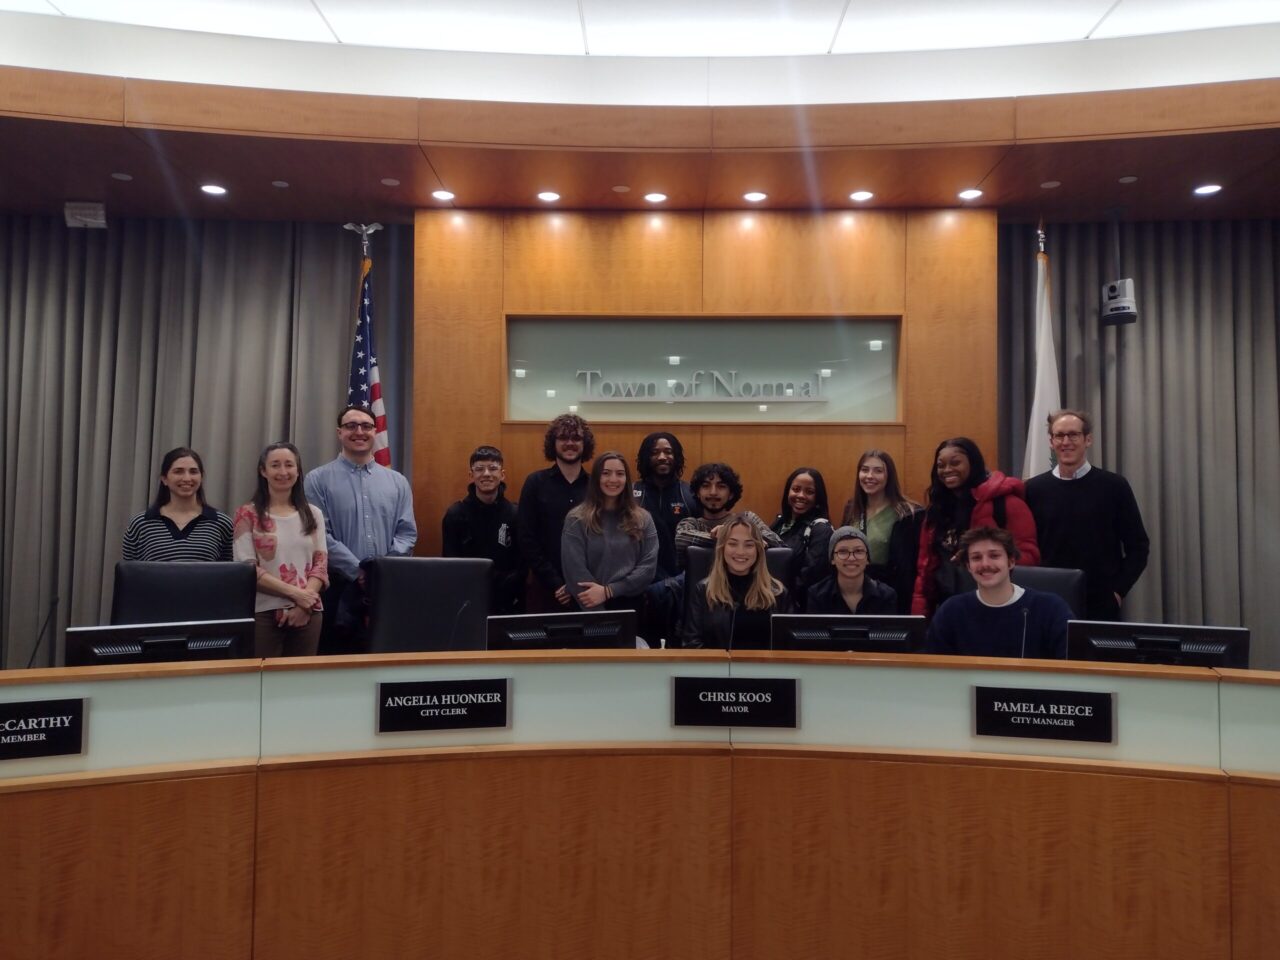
pixel 1066 582
pixel 427 603
pixel 151 592
pixel 699 566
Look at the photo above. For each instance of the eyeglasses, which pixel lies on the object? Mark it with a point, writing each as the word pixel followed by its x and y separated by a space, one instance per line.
pixel 1068 435
pixel 359 426
pixel 851 554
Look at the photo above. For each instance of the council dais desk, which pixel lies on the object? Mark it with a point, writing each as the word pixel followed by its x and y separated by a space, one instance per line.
pixel 250 809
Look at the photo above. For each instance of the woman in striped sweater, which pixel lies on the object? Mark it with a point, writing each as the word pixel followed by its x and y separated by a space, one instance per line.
pixel 179 525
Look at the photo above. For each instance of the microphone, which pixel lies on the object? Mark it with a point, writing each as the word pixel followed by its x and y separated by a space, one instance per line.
pixel 1025 615
pixel 53 605
pixel 453 632
pixel 733 622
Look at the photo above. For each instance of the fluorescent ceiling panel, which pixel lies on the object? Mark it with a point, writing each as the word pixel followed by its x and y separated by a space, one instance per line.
pixel 710 28
pixel 276 19
pixel 1140 17
pixel 487 26
pixel 878 26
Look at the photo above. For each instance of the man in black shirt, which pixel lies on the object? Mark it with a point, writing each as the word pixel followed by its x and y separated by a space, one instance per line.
pixel 1088 518
pixel 660 464
pixel 548 495
pixel 483 525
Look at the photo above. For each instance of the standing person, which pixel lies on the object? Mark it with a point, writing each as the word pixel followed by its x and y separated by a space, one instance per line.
pixel 999 618
pixel 660 464
pixel 609 546
pixel 718 489
pixel 1088 518
pixel 733 606
pixel 964 495
pixel 483 525
pixel 283 535
pixel 804 524
pixel 890 521
pixel 545 500
pixel 368 512
pixel 849 589
pixel 179 525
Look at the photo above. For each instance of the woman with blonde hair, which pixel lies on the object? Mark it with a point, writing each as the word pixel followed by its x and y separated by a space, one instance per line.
pixel 732 607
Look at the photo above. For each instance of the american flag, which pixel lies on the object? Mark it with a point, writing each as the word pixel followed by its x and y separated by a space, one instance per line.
pixel 363 387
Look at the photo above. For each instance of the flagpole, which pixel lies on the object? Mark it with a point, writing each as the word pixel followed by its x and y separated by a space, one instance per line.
pixel 366 230
pixel 364 384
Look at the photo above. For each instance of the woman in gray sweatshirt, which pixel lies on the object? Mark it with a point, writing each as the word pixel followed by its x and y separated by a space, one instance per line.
pixel 609 547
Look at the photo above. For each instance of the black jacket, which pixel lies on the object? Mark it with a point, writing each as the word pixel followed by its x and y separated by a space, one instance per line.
pixel 810 561
pixel 472 528
pixel 668 506
pixel 878 599
pixel 545 501
pixel 726 628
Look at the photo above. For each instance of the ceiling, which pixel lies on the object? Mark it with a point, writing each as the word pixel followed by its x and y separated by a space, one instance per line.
pixel 47 163
pixel 669 28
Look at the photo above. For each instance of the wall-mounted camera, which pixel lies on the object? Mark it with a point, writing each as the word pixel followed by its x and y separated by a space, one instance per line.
pixel 1118 305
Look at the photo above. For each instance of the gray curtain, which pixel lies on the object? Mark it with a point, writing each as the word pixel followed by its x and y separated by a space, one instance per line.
pixel 1186 402
pixel 123 343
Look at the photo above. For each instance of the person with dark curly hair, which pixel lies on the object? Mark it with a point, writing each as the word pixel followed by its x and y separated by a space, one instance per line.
pixel 804 524
pixel 660 490
pixel 718 489
pixel 545 500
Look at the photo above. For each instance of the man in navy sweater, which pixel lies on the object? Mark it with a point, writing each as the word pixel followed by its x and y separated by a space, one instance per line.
pixel 1001 619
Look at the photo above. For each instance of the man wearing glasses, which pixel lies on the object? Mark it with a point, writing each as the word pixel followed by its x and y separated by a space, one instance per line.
pixel 1088 518
pixel 546 498
pixel 368 512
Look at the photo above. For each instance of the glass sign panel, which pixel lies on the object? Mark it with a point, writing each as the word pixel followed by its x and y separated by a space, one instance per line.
pixel 703 369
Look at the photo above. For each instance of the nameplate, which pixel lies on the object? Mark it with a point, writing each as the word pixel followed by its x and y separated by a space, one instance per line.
pixel 733 702
pixel 1044 714
pixel 41 728
pixel 443 705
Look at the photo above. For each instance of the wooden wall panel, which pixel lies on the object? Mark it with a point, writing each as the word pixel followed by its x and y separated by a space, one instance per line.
pixel 457 346
pixel 603 263
pixel 949 336
pixel 1255 870
pixel 848 858
pixel 619 856
pixel 780 263
pixel 129 871
pixel 198 106
pixel 564 125
pixel 58 95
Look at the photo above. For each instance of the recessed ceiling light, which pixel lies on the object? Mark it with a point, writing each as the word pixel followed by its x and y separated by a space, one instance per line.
pixel 622 188
pixel 390 182
pixel 861 196
pixel 970 194
pixel 1051 185
pixel 548 196
pixel 656 197
pixel 1129 179
pixel 125 177
pixel 755 196
pixel 1208 189
pixel 280 184
pixel 213 189
pixel 442 194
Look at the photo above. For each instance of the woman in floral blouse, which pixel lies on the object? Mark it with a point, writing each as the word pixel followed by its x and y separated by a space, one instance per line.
pixel 283 535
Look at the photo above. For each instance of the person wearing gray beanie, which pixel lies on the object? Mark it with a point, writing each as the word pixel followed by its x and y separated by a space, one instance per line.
pixel 848 589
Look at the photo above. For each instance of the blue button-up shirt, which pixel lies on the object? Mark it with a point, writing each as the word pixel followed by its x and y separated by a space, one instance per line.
pixel 368 512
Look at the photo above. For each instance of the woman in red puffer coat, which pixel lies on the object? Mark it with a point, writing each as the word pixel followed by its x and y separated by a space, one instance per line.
pixel 963 495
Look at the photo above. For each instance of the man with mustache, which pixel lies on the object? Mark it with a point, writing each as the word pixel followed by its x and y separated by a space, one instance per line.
pixel 718 489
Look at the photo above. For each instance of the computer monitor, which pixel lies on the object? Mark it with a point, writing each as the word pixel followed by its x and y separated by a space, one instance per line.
pixel 159 642
pixel 159 592
pixel 833 632
pixel 584 630
pixel 1188 646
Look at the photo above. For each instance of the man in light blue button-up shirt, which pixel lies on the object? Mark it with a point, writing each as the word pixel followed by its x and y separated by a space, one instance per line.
pixel 368 512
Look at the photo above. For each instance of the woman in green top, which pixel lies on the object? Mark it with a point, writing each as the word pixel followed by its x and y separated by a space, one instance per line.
pixel 890 521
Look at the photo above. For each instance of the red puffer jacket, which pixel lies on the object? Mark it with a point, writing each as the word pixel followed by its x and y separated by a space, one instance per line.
pixel 1018 521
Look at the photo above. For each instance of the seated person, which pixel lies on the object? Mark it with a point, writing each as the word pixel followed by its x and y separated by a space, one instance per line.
pixel 733 606
pixel 483 525
pixel 848 590
pixel 804 524
pixel 718 489
pixel 1001 619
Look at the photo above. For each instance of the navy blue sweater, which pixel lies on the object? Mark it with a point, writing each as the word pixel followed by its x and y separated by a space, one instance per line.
pixel 1034 626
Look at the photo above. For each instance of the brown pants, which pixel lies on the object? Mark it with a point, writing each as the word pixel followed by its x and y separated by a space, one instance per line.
pixel 272 641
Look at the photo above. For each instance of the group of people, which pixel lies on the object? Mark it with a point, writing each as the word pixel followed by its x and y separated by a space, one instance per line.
pixel 307 535
pixel 599 539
